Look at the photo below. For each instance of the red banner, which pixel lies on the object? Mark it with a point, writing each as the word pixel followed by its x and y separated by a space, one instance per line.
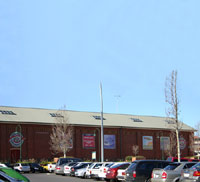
pixel 88 141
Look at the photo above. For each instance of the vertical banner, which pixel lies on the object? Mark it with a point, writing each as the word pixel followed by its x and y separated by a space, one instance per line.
pixel 109 142
pixel 147 142
pixel 88 141
pixel 164 143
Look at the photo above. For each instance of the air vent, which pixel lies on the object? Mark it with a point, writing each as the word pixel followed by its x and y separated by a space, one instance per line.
pixel 170 121
pixel 55 115
pixel 98 118
pixel 136 120
pixel 7 112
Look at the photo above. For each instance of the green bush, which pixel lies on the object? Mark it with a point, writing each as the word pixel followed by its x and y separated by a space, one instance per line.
pixel 128 158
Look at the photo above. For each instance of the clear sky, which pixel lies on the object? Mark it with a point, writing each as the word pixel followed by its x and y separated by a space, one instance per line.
pixel 56 52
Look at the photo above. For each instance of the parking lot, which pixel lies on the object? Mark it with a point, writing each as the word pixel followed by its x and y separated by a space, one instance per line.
pixel 51 177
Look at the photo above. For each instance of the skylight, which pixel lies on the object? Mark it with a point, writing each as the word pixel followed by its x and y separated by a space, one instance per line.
pixel 98 118
pixel 7 112
pixel 55 115
pixel 136 120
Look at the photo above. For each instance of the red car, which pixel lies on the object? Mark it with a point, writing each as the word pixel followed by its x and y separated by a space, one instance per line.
pixel 112 171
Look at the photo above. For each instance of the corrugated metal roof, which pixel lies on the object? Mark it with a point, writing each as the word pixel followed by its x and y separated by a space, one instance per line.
pixel 43 116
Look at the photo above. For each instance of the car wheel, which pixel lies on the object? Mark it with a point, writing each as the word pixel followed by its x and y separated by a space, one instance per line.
pixel 148 180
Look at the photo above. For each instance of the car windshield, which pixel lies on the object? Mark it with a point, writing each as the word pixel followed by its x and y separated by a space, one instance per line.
pixel 24 164
pixel 172 166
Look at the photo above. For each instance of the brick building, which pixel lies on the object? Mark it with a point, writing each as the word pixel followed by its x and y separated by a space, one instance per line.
pixel 121 132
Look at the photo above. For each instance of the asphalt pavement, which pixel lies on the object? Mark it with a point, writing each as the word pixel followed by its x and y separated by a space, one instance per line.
pixel 51 177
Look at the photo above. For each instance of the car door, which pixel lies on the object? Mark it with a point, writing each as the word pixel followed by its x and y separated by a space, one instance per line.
pixel 144 170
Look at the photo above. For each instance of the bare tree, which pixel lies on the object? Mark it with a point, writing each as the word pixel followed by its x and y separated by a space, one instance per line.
pixel 171 97
pixel 171 150
pixel 197 140
pixel 62 133
pixel 135 149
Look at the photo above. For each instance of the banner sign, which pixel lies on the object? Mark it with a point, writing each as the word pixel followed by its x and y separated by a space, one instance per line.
pixel 147 142
pixel 164 143
pixel 88 141
pixel 109 142
pixel 16 139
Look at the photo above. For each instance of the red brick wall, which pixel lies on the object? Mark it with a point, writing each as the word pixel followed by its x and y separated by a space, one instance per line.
pixel 36 143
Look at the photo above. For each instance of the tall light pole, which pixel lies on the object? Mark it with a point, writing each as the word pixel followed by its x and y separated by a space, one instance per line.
pixel 102 139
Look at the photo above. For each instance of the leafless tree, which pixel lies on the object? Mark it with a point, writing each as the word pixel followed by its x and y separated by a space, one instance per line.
pixel 135 149
pixel 197 141
pixel 171 150
pixel 62 133
pixel 171 97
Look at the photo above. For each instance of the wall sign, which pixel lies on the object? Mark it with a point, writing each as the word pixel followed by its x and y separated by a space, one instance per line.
pixel 88 141
pixel 147 142
pixel 109 142
pixel 164 143
pixel 16 139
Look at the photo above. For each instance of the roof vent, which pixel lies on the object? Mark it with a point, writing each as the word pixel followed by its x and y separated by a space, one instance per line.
pixel 98 118
pixel 55 115
pixel 169 121
pixel 136 120
pixel 7 112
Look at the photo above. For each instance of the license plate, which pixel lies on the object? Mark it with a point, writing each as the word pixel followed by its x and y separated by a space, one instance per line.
pixel 156 175
pixel 186 175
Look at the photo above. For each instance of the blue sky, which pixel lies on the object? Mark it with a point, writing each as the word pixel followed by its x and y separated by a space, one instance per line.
pixel 57 52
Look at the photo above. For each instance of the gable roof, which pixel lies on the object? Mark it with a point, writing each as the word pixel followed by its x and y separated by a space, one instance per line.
pixel 47 116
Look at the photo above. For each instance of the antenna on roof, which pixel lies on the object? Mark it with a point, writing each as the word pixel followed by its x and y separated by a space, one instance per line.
pixel 117 105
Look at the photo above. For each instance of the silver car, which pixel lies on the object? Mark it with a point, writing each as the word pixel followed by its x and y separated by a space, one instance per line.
pixel 170 173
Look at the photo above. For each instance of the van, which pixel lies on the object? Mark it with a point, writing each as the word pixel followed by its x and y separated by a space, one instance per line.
pixel 140 170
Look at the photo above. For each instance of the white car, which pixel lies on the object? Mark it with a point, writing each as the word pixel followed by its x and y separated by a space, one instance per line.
pixel 121 173
pixel 95 170
pixel 22 167
pixel 2 165
pixel 89 170
pixel 68 166
pixel 104 168
pixel 51 167
pixel 82 172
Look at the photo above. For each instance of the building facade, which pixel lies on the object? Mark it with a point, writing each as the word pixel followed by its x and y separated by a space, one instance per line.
pixel 25 133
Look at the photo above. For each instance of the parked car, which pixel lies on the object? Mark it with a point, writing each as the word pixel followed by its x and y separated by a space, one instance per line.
pixel 51 167
pixel 35 167
pixel 8 174
pixel 170 173
pixel 22 167
pixel 75 168
pixel 140 170
pixel 103 169
pixel 68 166
pixel 175 159
pixel 112 171
pixel 121 173
pixel 82 171
pixel 95 170
pixel 2 165
pixel 59 168
pixel 89 170
pixel 192 174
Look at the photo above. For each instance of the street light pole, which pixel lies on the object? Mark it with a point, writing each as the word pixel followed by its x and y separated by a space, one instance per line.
pixel 102 139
